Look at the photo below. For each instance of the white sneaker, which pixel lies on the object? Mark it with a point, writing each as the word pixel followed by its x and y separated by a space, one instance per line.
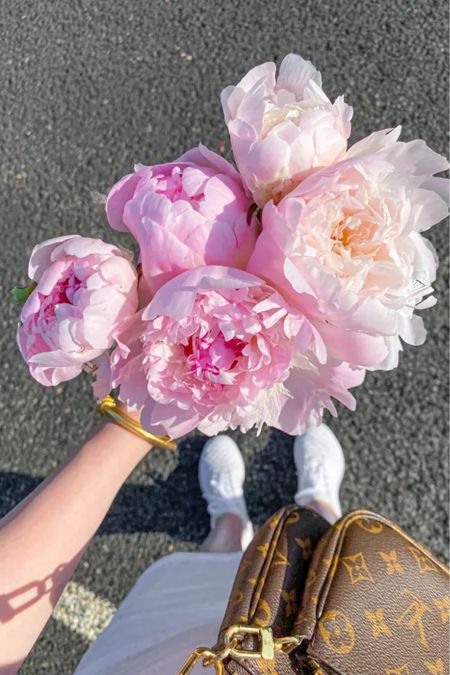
pixel 320 466
pixel 221 475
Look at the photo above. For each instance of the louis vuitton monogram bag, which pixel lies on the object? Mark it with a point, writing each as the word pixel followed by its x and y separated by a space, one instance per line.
pixel 359 598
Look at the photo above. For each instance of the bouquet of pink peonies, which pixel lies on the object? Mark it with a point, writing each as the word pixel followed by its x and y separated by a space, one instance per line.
pixel 262 292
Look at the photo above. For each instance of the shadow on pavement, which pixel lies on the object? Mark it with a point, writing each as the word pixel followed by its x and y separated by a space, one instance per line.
pixel 173 503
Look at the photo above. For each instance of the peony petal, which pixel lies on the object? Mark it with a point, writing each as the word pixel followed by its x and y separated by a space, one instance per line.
pixel 175 422
pixel 295 73
pixel 427 209
pixel 358 349
pixel 425 259
pixel 194 181
pixel 270 155
pixel 117 199
pixel 177 296
pixel 203 157
pixel 417 158
pixel 51 377
pixel 231 97
pixel 82 247
pixel 378 140
pixel 51 276
pixel 308 393
pixel 59 358
pixel 413 330
pixel 41 256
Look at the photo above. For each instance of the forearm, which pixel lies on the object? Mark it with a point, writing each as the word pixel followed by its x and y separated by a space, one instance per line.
pixel 42 540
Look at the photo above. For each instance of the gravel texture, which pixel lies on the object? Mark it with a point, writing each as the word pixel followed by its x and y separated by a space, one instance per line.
pixel 88 88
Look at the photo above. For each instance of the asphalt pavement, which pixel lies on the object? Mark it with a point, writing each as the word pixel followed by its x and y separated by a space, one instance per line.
pixel 91 86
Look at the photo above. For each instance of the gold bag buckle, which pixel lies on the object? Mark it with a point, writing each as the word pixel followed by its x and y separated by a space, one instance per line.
pixel 233 637
pixel 265 648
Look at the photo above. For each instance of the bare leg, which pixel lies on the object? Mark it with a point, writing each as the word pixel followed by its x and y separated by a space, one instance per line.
pixel 226 536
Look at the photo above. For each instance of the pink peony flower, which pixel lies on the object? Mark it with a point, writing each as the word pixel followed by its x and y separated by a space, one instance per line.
pixel 346 247
pixel 218 348
pixel 283 127
pixel 85 288
pixel 184 215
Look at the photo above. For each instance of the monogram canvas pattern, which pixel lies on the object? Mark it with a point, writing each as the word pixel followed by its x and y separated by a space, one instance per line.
pixel 379 603
pixel 367 598
pixel 270 581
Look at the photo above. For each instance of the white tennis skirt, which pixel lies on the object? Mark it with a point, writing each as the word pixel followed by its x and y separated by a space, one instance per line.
pixel 176 605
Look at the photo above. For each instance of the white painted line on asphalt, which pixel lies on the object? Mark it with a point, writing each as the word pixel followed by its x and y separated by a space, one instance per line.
pixel 83 611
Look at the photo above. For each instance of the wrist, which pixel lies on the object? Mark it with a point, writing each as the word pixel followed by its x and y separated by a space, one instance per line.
pixel 124 439
pixel 112 442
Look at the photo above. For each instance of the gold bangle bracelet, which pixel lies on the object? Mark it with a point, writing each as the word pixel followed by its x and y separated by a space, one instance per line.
pixel 108 406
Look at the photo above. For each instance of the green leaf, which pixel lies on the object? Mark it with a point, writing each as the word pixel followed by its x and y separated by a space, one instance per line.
pixel 21 294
